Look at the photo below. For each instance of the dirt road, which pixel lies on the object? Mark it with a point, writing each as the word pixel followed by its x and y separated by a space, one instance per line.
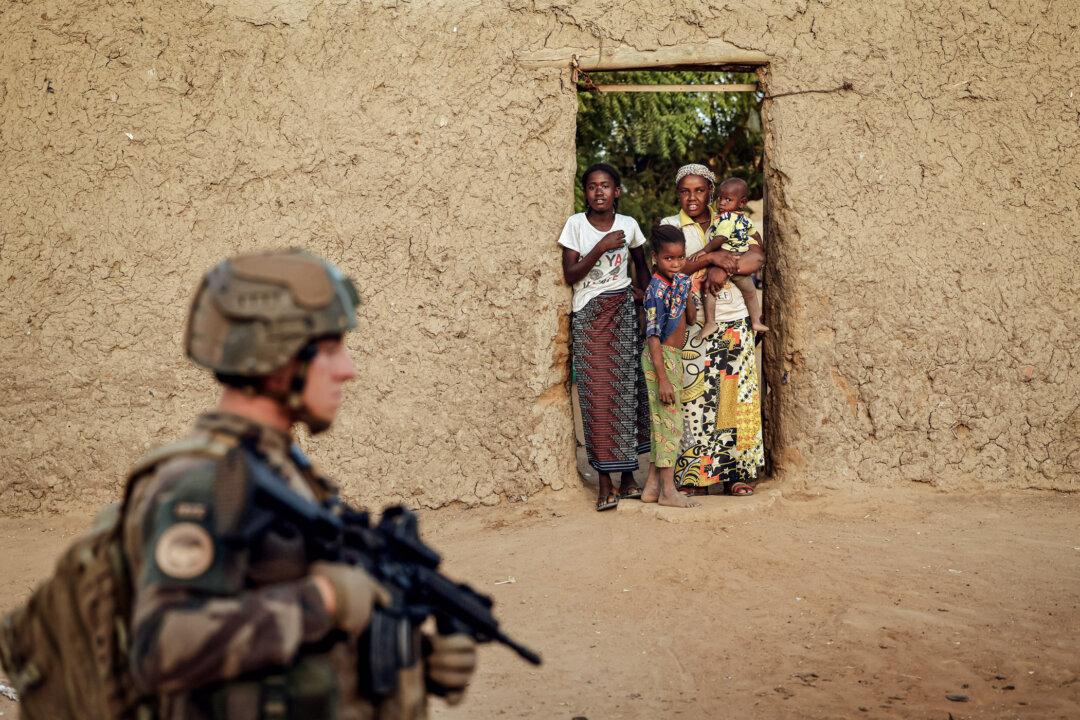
pixel 867 604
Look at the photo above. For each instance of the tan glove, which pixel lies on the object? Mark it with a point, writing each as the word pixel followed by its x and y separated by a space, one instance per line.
pixel 355 594
pixel 451 664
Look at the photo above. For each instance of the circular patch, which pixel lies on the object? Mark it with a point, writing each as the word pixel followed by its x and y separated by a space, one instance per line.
pixel 184 551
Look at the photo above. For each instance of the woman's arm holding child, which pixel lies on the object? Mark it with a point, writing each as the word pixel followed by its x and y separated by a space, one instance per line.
pixel 725 264
pixel 711 254
pixel 749 262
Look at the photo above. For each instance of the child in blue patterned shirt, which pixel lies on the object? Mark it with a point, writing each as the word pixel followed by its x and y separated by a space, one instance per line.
pixel 668 310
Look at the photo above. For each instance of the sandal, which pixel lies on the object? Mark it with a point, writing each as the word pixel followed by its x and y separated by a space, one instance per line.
pixel 633 493
pixel 738 489
pixel 610 502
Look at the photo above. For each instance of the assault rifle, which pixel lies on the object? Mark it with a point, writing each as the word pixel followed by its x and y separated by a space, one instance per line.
pixel 391 551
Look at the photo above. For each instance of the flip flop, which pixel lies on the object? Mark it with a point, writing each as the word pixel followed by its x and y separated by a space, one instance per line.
pixel 607 503
pixel 738 489
pixel 634 494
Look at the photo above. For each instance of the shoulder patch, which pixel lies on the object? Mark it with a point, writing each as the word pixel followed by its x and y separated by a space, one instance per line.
pixel 184 551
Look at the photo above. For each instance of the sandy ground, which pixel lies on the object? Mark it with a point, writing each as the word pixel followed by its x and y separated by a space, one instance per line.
pixel 868 604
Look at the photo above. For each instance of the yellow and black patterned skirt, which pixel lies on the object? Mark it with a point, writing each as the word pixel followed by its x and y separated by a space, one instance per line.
pixel 721 408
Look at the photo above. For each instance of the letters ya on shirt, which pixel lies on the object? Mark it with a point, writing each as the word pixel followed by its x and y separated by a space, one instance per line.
pixel 607 267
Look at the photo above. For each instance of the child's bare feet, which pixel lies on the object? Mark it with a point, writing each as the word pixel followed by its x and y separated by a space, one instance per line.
pixel 677 499
pixel 758 326
pixel 651 493
pixel 706 330
pixel 667 494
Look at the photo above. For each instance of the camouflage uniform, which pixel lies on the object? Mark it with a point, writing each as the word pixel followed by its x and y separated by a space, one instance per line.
pixel 228 632
pixel 220 630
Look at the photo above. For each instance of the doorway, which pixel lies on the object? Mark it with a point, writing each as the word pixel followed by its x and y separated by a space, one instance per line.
pixel 649 123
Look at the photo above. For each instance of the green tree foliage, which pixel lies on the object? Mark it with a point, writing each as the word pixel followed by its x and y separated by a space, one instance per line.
pixel 648 136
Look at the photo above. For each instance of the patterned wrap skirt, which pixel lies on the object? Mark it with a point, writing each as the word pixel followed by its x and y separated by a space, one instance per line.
pixel 722 439
pixel 610 382
pixel 666 420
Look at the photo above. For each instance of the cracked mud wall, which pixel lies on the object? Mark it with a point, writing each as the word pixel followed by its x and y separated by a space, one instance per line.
pixel 924 250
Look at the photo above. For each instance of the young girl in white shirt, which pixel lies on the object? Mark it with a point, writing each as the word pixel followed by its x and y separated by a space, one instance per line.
pixel 597 247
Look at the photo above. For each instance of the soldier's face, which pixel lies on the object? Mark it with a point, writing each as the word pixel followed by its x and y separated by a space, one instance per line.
pixel 330 369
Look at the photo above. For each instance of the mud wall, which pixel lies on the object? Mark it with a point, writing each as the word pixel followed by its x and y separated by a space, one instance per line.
pixel 923 265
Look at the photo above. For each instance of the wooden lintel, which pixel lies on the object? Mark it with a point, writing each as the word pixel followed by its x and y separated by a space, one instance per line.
pixel 715 88
pixel 711 53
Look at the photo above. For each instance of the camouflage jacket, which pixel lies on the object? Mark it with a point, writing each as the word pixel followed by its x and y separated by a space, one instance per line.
pixel 238 633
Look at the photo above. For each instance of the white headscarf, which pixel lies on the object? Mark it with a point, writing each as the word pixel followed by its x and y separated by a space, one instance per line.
pixel 695 169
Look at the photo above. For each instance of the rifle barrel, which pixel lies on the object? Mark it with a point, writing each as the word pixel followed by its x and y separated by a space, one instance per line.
pixel 524 652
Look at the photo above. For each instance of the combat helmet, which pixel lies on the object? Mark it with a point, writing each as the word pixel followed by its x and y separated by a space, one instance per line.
pixel 252 314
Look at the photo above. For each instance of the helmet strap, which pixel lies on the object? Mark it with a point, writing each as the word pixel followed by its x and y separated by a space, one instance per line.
pixel 294 401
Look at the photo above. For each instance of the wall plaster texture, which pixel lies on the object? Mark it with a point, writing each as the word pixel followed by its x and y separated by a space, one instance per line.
pixel 922 265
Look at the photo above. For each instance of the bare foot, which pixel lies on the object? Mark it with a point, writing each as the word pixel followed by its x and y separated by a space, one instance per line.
pixel 651 493
pixel 706 330
pixel 677 500
pixel 759 327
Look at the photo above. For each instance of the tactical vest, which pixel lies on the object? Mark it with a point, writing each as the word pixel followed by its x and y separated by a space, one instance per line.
pixel 66 649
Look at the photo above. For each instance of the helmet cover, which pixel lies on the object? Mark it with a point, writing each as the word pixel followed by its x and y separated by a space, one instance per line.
pixel 253 313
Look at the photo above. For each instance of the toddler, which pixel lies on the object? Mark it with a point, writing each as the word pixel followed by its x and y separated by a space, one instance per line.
pixel 733 231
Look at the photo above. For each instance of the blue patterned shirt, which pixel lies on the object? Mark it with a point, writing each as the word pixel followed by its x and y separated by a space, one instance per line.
pixel 665 303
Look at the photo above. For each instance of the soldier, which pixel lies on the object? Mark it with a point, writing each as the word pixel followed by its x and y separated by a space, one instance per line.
pixel 220 631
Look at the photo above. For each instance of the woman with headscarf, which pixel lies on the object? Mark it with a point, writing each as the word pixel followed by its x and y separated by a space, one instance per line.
pixel 722 447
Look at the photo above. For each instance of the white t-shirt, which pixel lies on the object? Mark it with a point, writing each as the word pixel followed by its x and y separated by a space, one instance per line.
pixel 610 271
pixel 730 305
